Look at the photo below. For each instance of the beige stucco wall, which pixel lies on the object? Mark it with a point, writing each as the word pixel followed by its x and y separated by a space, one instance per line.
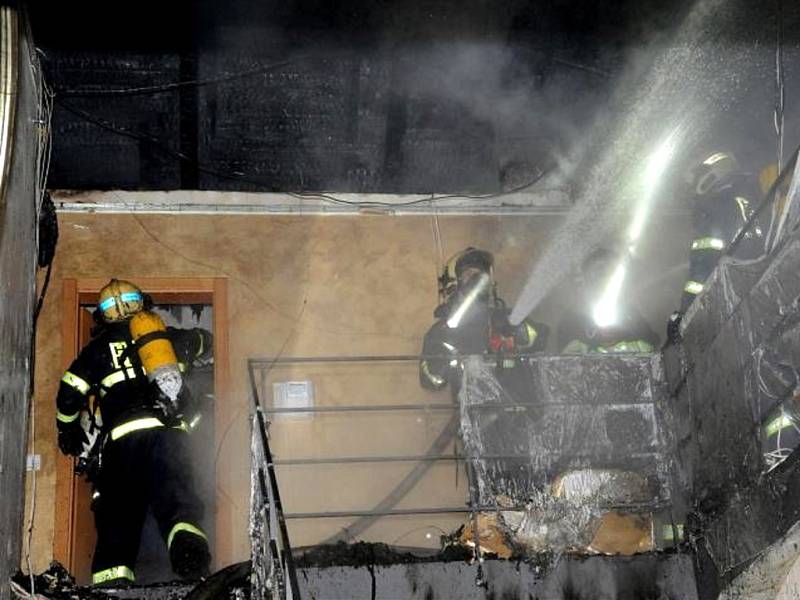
pixel 302 286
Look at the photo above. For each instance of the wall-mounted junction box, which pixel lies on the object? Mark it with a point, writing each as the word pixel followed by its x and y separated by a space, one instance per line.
pixel 293 394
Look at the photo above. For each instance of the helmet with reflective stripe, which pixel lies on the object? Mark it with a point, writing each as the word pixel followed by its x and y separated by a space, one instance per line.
pixel 472 258
pixel 716 171
pixel 120 300
pixel 462 264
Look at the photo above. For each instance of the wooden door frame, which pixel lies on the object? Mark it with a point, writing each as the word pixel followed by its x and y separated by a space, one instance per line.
pixel 188 289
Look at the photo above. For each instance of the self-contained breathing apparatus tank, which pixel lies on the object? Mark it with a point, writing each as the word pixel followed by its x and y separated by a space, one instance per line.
pixel 157 355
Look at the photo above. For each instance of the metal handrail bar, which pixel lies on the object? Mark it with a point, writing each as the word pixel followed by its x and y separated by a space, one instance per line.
pixel 419 458
pixel 364 459
pixel 633 507
pixel 441 406
pixel 361 408
pixel 281 360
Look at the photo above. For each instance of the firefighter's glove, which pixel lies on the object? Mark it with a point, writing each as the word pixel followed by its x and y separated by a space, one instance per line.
pixel 71 439
pixel 90 467
pixel 500 324
pixel 525 335
pixel 674 327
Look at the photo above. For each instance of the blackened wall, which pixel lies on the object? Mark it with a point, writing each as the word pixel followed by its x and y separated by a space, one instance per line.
pixel 354 96
pixel 17 286
pixel 735 369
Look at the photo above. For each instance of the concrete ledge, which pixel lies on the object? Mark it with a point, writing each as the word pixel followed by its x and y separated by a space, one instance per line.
pixel 598 578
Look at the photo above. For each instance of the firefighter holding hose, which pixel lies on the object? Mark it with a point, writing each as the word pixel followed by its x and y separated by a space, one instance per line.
pixel 133 367
pixel 471 319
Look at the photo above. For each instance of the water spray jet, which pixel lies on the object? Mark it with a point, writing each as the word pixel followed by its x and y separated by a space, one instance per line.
pixel 681 88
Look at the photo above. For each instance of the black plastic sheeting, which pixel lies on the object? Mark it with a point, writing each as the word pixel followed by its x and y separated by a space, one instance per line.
pixel 735 371
pixel 563 439
pixel 529 424
pixel 18 218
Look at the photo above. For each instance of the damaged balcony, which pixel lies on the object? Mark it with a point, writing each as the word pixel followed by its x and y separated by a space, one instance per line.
pixel 683 460
pixel 565 456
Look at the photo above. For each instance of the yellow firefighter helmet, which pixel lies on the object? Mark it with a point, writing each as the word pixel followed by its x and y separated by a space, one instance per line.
pixel 459 265
pixel 120 300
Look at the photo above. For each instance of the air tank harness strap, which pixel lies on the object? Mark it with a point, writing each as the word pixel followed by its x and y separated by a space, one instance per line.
pixel 142 341
pixel 149 337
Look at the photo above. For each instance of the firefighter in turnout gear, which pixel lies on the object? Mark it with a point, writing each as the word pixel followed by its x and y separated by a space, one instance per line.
pixel 580 333
pixel 719 210
pixel 132 369
pixel 471 319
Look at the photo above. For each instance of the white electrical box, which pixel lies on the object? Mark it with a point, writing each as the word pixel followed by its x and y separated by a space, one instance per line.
pixel 33 462
pixel 293 394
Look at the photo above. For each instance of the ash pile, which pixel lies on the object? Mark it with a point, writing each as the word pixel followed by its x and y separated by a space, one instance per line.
pixel 230 583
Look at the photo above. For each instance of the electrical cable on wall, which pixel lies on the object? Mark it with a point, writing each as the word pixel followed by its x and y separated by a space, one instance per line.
pixel 777 120
pixel 233 277
pixel 261 70
pixel 177 85
pixel 46 240
pixel 780 98
pixel 437 243
pixel 46 212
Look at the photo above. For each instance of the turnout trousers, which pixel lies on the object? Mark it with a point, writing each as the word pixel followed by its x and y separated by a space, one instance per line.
pixel 147 467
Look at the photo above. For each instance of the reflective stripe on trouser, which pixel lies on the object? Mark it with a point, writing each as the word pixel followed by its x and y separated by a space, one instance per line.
pixel 777 424
pixel 576 347
pixel 621 347
pixel 119 572
pixel 135 425
pixel 693 287
pixel 186 527
pixel 148 469
pixel 67 418
pixel 432 377
pixel 708 243
pixel 629 346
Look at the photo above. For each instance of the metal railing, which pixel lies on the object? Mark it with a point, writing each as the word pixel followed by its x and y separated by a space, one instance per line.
pixel 266 364
pixel 272 551
pixel 273 570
